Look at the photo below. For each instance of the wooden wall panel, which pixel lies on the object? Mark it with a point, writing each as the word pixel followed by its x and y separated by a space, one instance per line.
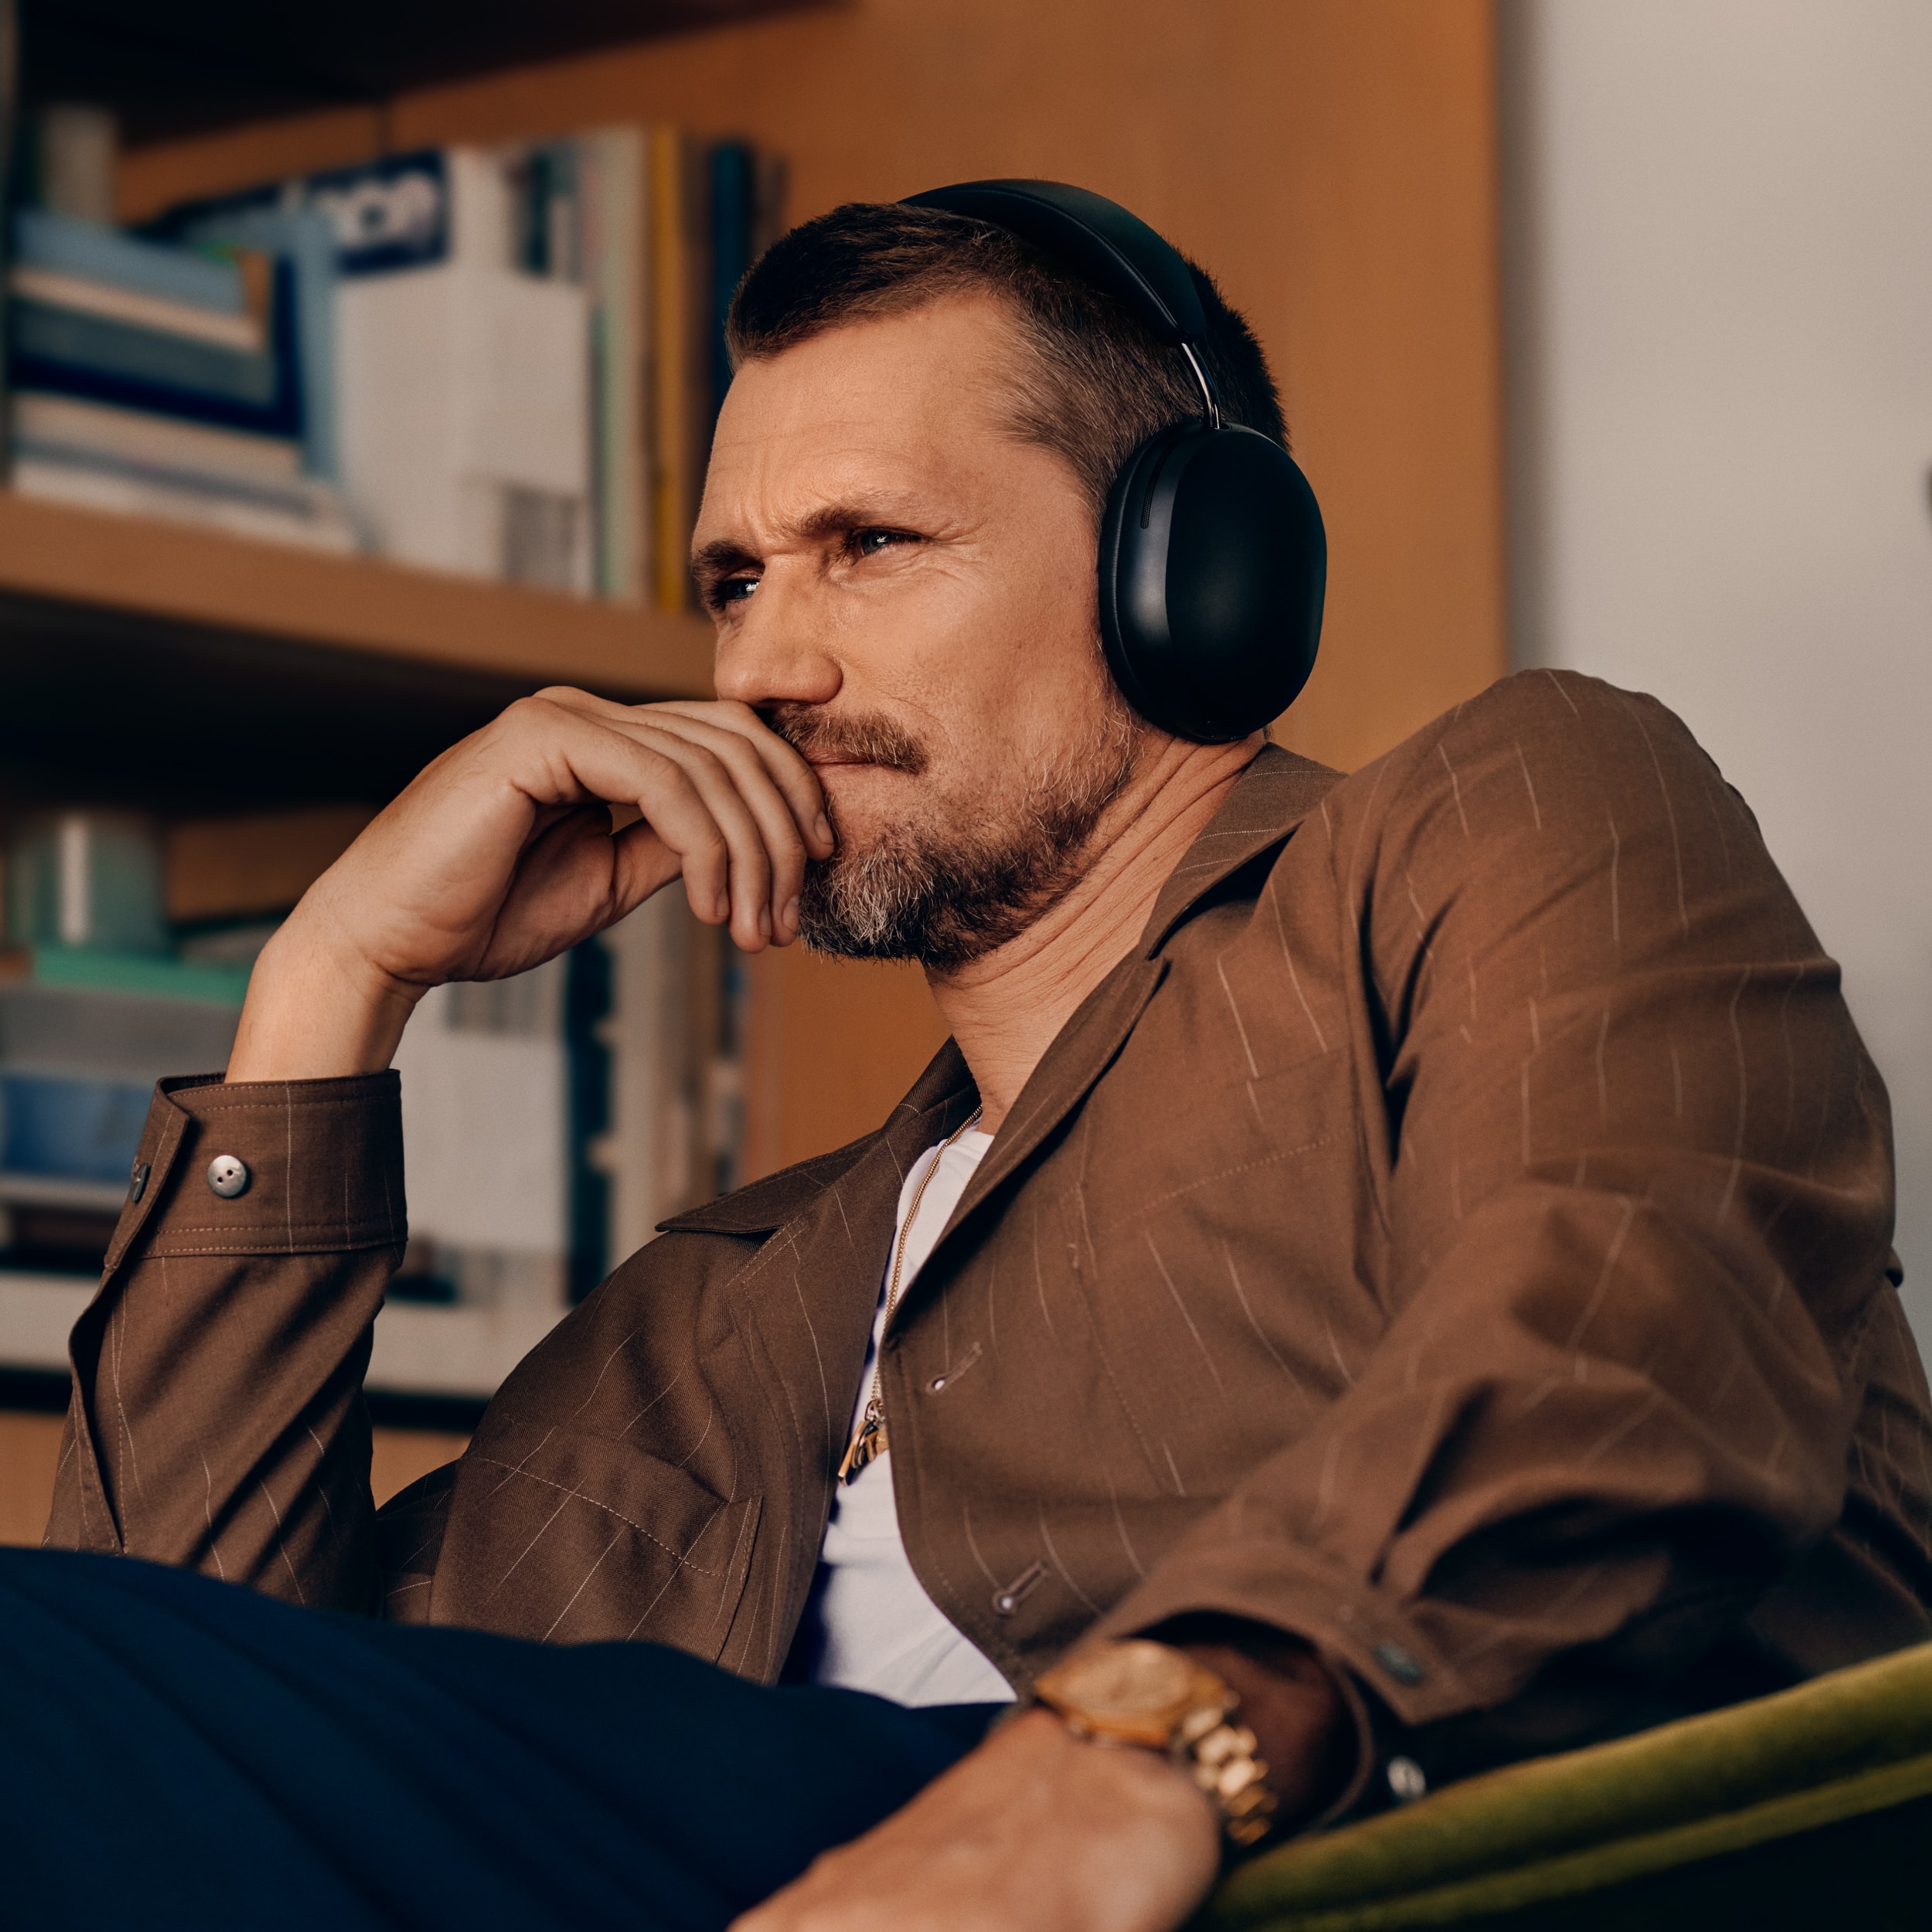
pixel 1333 161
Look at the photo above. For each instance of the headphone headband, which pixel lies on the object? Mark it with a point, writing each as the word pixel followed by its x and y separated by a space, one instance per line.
pixel 1212 559
pixel 1116 250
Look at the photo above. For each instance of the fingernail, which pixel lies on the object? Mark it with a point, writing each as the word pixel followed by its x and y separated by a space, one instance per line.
pixel 765 921
pixel 791 915
pixel 824 829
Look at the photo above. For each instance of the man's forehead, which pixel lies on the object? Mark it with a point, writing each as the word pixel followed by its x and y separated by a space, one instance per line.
pixel 887 403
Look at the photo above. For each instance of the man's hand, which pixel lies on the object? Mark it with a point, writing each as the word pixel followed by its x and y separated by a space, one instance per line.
pixel 500 855
pixel 1035 1831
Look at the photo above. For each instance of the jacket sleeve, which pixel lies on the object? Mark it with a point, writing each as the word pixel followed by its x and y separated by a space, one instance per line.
pixel 1631 1174
pixel 217 1421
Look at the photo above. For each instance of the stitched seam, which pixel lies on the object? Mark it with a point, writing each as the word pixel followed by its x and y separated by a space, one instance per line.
pixel 564 1489
pixel 348 1244
pixel 287 1227
pixel 1222 1174
pixel 270 1109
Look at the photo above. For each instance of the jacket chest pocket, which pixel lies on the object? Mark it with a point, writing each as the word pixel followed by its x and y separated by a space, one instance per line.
pixel 568 1538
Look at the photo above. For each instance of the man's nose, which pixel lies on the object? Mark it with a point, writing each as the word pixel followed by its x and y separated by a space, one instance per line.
pixel 774 653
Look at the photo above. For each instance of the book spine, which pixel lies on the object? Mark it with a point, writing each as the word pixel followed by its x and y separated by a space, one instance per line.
pixel 96 253
pixel 128 496
pixel 302 247
pixel 611 188
pixel 67 425
pixel 244 333
pixel 95 346
pixel 732 195
pixel 670 352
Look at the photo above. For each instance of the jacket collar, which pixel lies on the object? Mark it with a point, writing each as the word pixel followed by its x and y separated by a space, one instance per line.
pixel 1269 798
pixel 1276 792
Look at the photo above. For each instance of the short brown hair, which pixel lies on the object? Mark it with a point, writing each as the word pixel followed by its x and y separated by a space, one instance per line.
pixel 1104 383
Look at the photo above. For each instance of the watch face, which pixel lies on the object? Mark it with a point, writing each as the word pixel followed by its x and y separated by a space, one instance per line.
pixel 1135 1678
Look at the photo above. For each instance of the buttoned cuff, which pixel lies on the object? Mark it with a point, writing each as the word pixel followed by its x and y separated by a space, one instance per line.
pixel 269 1167
pixel 1392 1679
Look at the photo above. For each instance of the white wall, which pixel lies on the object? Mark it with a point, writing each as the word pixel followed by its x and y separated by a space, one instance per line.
pixel 1719 215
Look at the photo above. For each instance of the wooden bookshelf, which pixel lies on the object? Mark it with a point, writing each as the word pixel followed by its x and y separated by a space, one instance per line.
pixel 198 64
pixel 97 560
pixel 152 662
pixel 1333 161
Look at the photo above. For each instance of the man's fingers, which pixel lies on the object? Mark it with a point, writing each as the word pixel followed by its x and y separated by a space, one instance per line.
pixel 723 725
pixel 715 744
pixel 685 791
pixel 743 896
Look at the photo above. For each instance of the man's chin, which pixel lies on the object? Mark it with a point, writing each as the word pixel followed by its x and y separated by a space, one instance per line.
pixel 866 801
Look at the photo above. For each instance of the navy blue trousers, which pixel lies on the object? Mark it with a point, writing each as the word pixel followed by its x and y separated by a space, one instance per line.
pixel 179 1753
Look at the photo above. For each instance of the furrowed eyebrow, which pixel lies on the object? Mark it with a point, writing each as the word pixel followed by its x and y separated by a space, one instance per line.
pixel 721 559
pixel 724 558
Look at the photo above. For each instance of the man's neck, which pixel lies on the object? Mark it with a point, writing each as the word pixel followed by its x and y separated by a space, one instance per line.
pixel 1004 1010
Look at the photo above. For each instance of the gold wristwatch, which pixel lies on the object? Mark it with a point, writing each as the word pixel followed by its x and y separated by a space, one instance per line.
pixel 1151 1695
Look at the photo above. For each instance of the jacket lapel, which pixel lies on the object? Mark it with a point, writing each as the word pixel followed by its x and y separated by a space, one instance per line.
pixel 808 1293
pixel 1269 800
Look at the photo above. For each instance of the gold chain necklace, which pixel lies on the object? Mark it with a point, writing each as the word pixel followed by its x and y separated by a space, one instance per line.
pixel 870 1441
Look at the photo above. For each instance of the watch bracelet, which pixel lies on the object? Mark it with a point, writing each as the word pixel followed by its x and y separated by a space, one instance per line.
pixel 1225 1762
pixel 1222 1759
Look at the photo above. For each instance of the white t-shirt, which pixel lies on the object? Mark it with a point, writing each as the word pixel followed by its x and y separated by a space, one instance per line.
pixel 869 1625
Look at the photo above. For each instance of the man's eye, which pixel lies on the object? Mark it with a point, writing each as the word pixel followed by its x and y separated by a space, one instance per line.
pixel 734 590
pixel 869 543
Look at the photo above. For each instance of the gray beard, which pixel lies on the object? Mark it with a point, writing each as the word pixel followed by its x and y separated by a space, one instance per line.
pixel 945 896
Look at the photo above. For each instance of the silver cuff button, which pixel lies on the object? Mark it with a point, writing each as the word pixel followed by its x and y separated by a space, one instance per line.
pixel 228 1176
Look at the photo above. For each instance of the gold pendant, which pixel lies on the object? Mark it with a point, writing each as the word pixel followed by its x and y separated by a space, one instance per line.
pixel 867 1446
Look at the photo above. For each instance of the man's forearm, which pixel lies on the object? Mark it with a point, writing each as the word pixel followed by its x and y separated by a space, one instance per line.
pixel 217 1420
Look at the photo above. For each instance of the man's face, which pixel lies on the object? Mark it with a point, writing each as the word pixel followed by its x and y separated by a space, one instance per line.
pixel 905 591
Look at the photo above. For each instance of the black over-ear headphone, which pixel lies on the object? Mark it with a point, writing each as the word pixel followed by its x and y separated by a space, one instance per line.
pixel 1213 557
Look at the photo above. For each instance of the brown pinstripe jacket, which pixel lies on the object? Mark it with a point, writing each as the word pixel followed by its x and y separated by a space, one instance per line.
pixel 1457 1235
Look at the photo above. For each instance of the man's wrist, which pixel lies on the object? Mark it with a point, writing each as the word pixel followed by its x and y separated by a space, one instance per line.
pixel 1302 1719
pixel 315 1012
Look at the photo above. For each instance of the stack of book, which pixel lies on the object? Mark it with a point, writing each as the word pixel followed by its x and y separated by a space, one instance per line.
pixel 527 344
pixel 84 1036
pixel 550 1121
pixel 165 381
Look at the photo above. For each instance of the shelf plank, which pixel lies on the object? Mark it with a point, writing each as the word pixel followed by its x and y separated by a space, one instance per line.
pixel 199 63
pixel 176 573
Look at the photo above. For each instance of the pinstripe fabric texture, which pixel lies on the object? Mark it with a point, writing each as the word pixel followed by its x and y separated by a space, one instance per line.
pixel 1458 1235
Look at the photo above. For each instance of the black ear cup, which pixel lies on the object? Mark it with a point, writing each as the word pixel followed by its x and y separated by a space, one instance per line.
pixel 1213 562
pixel 1213 557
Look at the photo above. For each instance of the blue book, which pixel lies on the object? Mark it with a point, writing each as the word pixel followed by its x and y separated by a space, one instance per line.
pixel 99 253
pixel 70 1127
pixel 100 344
pixel 306 241
pixel 71 352
pixel 394 213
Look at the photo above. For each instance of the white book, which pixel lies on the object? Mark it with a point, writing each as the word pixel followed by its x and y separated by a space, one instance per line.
pixel 465 416
pixel 138 436
pixel 650 1152
pixel 143 311
pixel 485 1080
pixel 323 527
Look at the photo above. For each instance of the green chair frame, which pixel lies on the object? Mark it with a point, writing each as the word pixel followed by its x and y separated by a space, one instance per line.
pixel 1812 1807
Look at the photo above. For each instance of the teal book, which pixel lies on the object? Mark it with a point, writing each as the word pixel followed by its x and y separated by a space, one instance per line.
pixel 94 253
pixel 96 969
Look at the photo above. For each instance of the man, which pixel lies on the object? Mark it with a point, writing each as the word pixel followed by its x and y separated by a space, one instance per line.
pixel 1414 1245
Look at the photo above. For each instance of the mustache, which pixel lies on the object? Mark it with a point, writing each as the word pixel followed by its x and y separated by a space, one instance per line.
pixel 864 737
